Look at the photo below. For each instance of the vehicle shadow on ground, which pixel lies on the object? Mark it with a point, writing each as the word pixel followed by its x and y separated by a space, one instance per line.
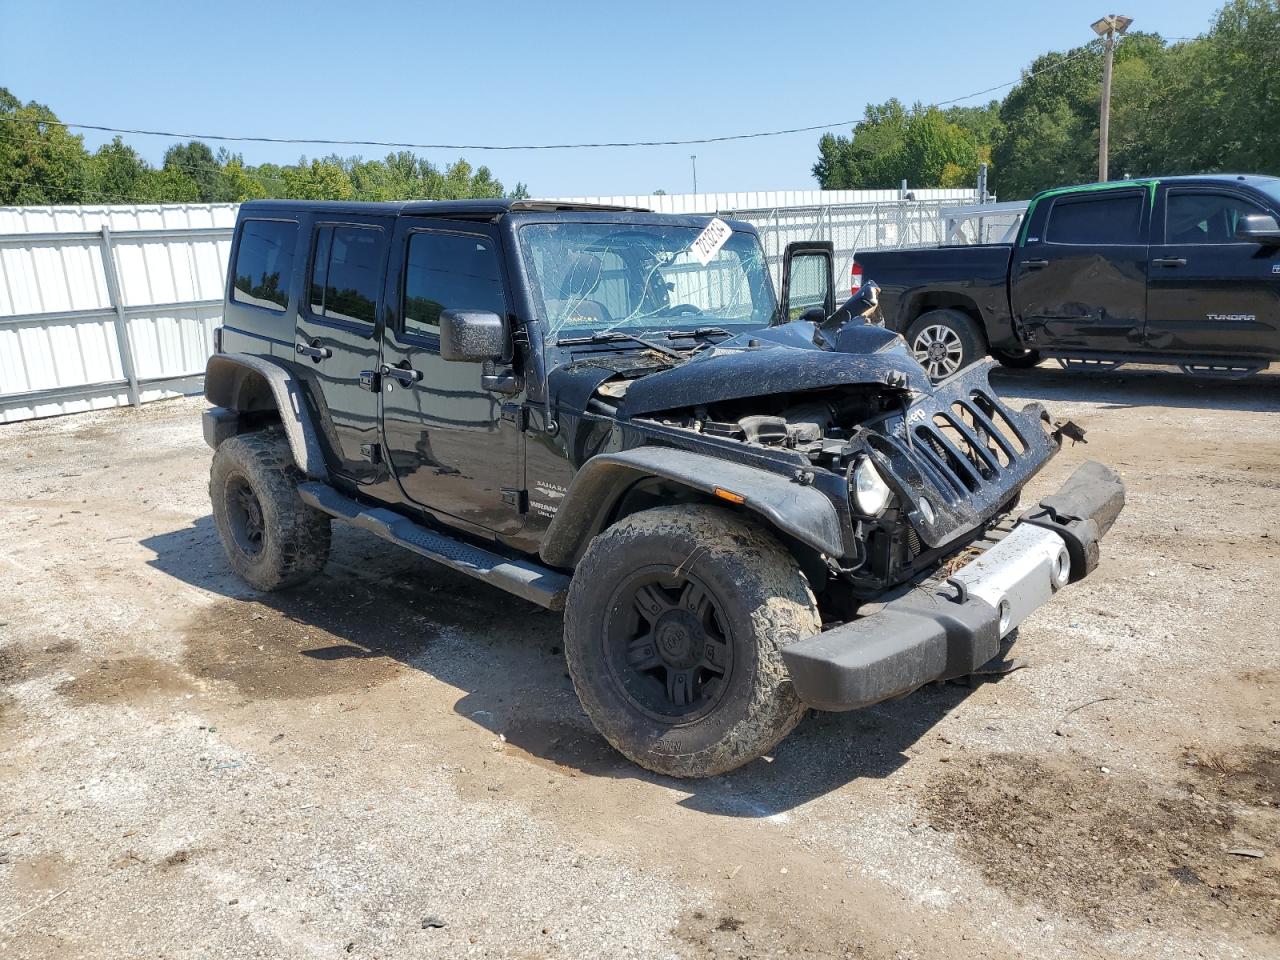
pixel 375 606
pixel 1140 386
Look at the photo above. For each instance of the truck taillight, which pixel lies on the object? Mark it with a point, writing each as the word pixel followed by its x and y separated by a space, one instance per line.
pixel 855 277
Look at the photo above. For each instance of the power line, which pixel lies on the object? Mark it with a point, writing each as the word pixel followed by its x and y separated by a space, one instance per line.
pixel 540 146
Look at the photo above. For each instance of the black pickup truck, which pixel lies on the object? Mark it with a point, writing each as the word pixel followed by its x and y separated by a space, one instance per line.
pixel 1175 270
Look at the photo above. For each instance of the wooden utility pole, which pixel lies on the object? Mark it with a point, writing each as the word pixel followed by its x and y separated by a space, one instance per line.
pixel 1109 27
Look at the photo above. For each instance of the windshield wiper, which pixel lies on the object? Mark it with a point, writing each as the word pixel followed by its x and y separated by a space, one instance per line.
pixel 616 336
pixel 699 332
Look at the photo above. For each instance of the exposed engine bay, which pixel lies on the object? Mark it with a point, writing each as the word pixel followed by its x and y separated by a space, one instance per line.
pixel 815 424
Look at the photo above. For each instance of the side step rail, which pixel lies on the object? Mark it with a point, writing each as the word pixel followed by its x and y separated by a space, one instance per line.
pixel 537 584
pixel 1223 371
pixel 1079 363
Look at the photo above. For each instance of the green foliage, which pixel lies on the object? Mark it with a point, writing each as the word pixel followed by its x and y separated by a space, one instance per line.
pixel 921 146
pixel 1205 105
pixel 41 163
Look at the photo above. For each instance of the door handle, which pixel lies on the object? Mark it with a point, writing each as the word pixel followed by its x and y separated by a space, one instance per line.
pixel 315 353
pixel 1169 262
pixel 406 376
pixel 1035 264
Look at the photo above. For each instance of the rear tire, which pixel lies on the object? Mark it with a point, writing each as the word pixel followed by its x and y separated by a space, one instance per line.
pixel 674 624
pixel 1018 359
pixel 944 342
pixel 272 539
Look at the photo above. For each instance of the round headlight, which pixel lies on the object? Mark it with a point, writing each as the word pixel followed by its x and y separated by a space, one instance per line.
pixel 870 493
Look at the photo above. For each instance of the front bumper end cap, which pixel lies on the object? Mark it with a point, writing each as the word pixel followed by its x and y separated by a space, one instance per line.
pixel 947 629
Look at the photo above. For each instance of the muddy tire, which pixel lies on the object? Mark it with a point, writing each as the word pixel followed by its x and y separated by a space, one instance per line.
pixel 1018 359
pixel 272 539
pixel 674 624
pixel 944 342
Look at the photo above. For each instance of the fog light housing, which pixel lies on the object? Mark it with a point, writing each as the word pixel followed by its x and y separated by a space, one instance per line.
pixel 871 495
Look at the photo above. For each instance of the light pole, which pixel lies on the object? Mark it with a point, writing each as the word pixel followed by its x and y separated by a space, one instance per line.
pixel 1111 26
pixel 694 158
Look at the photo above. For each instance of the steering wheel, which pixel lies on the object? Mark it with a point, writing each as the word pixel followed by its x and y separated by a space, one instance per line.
pixel 681 309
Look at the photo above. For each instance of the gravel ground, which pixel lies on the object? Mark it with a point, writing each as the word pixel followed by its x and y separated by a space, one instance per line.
pixel 390 761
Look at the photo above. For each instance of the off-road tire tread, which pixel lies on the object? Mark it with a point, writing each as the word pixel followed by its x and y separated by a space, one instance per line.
pixel 775 595
pixel 296 542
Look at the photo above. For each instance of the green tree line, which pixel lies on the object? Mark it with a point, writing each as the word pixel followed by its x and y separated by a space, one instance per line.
pixel 44 163
pixel 1203 105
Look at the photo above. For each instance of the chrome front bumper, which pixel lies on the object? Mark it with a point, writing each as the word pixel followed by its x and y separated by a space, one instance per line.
pixel 953 624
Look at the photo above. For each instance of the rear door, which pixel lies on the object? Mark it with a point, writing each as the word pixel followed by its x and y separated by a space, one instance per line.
pixel 336 338
pixel 1079 279
pixel 1208 294
pixel 453 445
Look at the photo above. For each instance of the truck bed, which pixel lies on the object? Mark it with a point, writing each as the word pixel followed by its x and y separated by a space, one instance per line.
pixel 978 272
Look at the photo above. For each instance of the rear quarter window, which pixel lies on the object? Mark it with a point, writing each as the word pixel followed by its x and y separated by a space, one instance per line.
pixel 1096 220
pixel 264 263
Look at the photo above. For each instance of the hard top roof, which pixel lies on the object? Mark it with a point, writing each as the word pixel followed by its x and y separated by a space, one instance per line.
pixel 460 209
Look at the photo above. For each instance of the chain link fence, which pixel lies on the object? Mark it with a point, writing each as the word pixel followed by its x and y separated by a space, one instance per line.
pixel 883 225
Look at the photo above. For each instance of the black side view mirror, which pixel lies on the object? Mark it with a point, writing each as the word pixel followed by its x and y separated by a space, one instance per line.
pixel 862 304
pixel 1258 228
pixel 472 336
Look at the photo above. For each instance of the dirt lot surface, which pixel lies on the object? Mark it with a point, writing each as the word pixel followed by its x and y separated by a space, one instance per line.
pixel 390 762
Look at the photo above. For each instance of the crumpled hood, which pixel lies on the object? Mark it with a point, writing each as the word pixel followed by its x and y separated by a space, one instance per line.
pixel 778 360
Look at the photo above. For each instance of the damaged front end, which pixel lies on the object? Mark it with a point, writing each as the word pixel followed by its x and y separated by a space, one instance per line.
pixel 918 470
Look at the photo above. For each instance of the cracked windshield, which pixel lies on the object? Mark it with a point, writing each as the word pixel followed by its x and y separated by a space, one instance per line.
pixel 596 278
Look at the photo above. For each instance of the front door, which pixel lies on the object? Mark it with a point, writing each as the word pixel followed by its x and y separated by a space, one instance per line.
pixel 1207 293
pixel 336 338
pixel 453 445
pixel 1081 285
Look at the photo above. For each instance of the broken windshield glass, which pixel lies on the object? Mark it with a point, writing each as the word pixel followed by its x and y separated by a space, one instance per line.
pixel 600 277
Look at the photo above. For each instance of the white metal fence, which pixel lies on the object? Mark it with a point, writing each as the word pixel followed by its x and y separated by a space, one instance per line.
pixel 103 306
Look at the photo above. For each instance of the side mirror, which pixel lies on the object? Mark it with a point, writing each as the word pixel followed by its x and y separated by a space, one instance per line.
pixel 472 336
pixel 1258 228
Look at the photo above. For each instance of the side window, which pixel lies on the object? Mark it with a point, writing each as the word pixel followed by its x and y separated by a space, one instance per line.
pixel 449 271
pixel 1204 217
pixel 264 263
pixel 346 273
pixel 1096 220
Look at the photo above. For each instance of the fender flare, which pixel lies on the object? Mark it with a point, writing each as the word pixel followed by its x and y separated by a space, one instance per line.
pixel 796 509
pixel 233 381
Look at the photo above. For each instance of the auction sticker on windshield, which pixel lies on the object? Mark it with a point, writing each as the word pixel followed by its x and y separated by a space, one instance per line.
pixel 709 241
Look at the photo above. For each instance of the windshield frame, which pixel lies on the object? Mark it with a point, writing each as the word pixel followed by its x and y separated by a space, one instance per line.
pixel 1269 187
pixel 658 324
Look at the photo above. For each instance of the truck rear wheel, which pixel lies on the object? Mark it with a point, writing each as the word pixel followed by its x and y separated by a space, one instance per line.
pixel 272 539
pixel 944 341
pixel 674 624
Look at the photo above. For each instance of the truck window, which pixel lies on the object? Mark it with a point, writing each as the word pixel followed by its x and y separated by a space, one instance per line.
pixel 1204 217
pixel 346 274
pixel 264 263
pixel 449 271
pixel 1096 220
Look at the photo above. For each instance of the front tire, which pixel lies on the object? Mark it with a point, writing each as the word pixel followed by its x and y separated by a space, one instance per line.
pixel 1018 359
pixel 272 539
pixel 944 342
pixel 674 624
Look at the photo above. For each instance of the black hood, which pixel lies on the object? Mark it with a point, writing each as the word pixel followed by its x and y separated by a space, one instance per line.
pixel 779 359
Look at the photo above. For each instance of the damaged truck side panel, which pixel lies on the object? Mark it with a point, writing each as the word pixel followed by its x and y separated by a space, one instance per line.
pixel 743 507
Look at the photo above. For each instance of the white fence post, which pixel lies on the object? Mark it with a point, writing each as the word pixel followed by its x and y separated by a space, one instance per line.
pixel 122 323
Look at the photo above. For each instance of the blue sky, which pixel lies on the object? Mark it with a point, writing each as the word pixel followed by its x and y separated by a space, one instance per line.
pixel 497 72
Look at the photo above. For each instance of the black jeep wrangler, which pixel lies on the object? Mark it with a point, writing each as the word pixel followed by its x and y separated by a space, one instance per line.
pixel 743 506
